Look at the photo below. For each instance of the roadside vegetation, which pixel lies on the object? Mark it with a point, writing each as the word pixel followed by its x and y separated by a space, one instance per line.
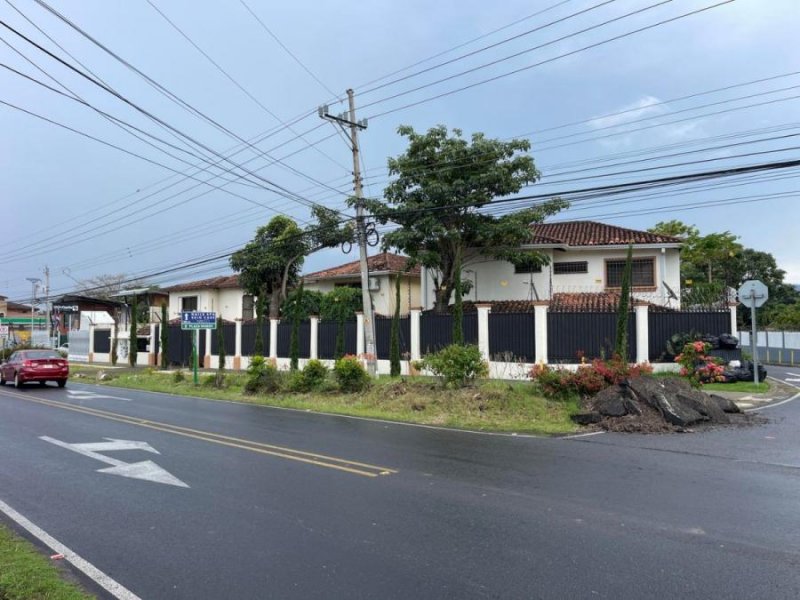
pixel 25 574
pixel 452 399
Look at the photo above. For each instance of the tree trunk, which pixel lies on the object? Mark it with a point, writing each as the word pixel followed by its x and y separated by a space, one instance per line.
pixel 275 304
pixel 444 290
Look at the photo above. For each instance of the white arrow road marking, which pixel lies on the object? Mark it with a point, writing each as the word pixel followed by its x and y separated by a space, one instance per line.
pixel 87 395
pixel 147 470
pixel 114 444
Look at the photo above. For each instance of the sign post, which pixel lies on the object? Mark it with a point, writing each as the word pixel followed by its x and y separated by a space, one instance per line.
pixel 753 294
pixel 194 321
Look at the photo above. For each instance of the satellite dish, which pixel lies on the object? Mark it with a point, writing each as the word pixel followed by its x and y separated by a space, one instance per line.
pixel 670 293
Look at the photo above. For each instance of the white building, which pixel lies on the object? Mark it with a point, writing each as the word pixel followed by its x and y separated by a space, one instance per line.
pixel 584 257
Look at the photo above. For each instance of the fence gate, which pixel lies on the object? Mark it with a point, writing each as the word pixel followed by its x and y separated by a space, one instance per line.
pixel 79 345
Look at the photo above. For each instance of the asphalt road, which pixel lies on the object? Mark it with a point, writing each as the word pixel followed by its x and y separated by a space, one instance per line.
pixel 288 504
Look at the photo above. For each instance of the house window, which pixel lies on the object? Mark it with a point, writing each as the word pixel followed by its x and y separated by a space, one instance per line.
pixel 643 272
pixel 189 303
pixel 247 307
pixel 354 285
pixel 570 267
pixel 519 269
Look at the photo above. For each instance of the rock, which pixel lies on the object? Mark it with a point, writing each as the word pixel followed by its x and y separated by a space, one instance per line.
pixel 725 404
pixel 587 418
pixel 702 404
pixel 611 402
pixel 652 392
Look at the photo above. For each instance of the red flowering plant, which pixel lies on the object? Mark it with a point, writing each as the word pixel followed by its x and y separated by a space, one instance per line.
pixel 698 366
pixel 587 379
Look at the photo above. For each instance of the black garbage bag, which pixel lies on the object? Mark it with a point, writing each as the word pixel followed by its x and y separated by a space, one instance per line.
pixel 713 340
pixel 728 341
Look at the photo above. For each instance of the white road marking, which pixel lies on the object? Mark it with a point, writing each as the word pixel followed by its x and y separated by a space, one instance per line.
pixel 147 470
pixel 795 397
pixel 580 435
pixel 794 379
pixel 104 581
pixel 87 395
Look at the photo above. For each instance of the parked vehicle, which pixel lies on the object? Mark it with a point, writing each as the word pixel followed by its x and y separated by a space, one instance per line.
pixel 35 365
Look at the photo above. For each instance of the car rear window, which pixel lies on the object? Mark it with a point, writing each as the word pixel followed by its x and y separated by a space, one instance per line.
pixel 41 354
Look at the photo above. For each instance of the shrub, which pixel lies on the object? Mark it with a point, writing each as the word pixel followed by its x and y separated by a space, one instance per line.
pixel 456 365
pixel 178 376
pixel 209 380
pixel 296 382
pixel 262 376
pixel 350 374
pixel 314 373
pixel 587 380
pixel 697 365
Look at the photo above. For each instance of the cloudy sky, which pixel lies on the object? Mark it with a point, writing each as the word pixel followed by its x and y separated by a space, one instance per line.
pixel 208 126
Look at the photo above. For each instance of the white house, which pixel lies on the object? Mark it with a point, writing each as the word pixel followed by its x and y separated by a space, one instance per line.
pixel 585 257
pixel 221 295
pixel 384 269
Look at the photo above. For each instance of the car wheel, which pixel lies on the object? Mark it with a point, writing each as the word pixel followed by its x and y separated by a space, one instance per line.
pixel 2 378
pixel 62 382
pixel 42 383
pixel 17 381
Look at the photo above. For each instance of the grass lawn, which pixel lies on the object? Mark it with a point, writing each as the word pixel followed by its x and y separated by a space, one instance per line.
pixel 25 574
pixel 489 406
pixel 739 386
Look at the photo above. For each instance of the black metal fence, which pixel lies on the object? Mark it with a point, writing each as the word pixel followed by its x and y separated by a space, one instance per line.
pixel 285 339
pixel 249 337
pixel 511 337
pixel 102 341
pixel 663 325
pixel 383 336
pixel 327 338
pixel 436 331
pixel 592 335
pixel 179 346
pixel 229 337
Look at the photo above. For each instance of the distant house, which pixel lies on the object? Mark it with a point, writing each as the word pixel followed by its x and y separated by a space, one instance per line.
pixel 586 263
pixel 222 295
pixel 384 270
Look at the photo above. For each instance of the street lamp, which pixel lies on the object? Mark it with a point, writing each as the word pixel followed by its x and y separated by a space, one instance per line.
pixel 35 281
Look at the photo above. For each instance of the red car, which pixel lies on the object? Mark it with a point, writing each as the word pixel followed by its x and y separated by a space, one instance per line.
pixel 34 365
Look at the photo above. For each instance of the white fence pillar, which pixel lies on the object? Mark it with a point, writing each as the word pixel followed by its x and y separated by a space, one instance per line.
pixel 314 344
pixel 415 315
pixel 359 333
pixel 207 356
pixel 273 338
pixel 732 308
pixel 642 332
pixel 483 329
pixel 152 357
pixel 91 344
pixel 540 334
pixel 237 353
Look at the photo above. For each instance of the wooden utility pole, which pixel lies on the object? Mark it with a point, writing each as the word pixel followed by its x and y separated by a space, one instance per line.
pixel 349 120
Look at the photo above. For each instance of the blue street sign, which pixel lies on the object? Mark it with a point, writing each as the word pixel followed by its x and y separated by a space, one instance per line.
pixel 192 319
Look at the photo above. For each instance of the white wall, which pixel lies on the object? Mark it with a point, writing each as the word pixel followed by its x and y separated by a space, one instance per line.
pixel 383 298
pixel 497 281
pixel 226 303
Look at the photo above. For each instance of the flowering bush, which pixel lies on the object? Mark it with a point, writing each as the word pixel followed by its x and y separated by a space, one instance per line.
pixel 697 365
pixel 587 379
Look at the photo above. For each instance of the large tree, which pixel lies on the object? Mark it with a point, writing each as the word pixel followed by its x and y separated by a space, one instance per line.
pixel 441 183
pixel 270 263
pixel 716 261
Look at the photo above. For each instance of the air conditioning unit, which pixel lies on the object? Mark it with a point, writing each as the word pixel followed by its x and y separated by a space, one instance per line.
pixel 374 284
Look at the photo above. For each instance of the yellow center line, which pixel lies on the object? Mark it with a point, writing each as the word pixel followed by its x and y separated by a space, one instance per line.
pixel 320 460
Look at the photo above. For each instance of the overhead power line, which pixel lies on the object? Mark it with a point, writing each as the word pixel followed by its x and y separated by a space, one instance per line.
pixel 531 66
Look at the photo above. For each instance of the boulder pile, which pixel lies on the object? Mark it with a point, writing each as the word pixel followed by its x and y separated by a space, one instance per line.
pixel 656 404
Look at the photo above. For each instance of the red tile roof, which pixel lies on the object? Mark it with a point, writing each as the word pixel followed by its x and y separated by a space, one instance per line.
pixel 592 233
pixel 214 283
pixel 563 302
pixel 380 263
